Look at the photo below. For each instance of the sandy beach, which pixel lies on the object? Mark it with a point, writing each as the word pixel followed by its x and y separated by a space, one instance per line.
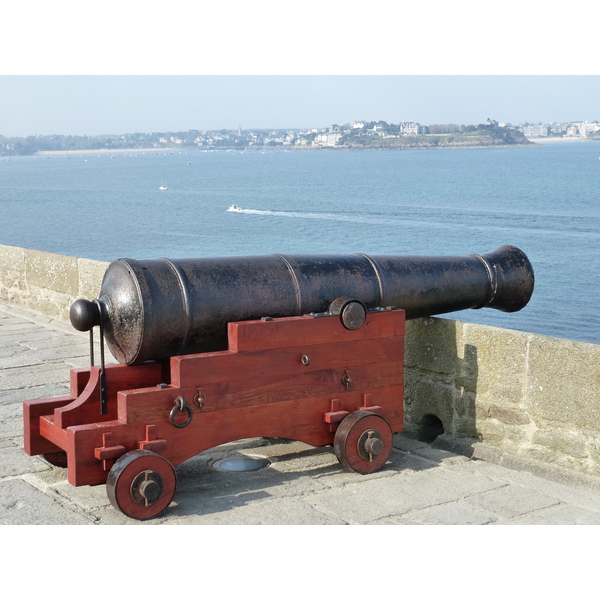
pixel 106 151
pixel 552 140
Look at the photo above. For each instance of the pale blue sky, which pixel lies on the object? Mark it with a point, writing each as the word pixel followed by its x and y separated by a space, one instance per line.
pixel 77 105
pixel 123 66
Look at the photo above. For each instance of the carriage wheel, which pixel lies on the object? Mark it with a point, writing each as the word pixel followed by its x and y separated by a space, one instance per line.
pixel 141 484
pixel 363 441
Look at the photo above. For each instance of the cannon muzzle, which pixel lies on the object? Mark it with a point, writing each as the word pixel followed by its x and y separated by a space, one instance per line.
pixel 155 309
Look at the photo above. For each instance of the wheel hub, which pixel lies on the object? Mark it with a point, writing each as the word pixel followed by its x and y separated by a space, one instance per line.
pixel 370 444
pixel 146 487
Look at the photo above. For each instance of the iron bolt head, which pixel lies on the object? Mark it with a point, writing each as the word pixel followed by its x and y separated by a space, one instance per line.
pixel 373 445
pixel 150 490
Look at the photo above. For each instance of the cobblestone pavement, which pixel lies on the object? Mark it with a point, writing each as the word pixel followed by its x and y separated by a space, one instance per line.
pixel 420 484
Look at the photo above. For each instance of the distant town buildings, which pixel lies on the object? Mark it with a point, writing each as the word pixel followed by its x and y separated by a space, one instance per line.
pixel 337 135
pixel 577 129
pixel 532 131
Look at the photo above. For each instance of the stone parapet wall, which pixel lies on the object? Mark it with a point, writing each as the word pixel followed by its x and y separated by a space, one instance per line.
pixel 483 391
pixel 47 283
pixel 532 397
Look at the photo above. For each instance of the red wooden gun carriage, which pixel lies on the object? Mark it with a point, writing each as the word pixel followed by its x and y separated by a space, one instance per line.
pixel 211 351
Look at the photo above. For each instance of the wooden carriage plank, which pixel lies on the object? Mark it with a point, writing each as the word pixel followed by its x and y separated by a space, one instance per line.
pixel 222 366
pixel 246 336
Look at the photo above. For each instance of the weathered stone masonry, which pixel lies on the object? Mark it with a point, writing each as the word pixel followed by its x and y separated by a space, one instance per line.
pixel 529 396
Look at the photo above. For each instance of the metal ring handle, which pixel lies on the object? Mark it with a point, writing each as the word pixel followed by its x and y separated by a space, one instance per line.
pixel 180 406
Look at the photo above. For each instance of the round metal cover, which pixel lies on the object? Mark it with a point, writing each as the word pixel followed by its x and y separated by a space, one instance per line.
pixel 240 463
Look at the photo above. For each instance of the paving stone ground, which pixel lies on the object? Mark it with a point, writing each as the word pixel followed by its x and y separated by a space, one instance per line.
pixel 303 485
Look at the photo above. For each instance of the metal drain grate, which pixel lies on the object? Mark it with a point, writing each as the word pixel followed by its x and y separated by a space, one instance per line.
pixel 240 463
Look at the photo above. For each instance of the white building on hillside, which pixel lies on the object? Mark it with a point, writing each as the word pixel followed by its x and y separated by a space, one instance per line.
pixel 409 129
pixel 533 131
pixel 586 128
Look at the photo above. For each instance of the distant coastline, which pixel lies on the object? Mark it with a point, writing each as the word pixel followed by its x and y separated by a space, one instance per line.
pixel 346 148
pixel 421 145
pixel 371 135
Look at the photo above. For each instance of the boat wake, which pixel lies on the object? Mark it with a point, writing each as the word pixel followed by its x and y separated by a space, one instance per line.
pixel 303 215
pixel 407 221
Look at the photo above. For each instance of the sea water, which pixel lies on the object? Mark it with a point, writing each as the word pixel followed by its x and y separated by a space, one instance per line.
pixel 451 202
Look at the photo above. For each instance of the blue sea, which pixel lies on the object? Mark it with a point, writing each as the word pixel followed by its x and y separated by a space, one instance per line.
pixel 544 200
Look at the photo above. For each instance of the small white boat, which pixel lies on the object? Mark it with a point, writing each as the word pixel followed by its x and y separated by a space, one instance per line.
pixel 162 187
pixel 234 208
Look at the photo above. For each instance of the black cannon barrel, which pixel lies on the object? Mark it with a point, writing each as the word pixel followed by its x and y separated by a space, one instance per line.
pixel 154 309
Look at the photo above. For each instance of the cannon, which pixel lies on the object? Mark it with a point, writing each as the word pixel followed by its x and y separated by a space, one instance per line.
pixel 214 350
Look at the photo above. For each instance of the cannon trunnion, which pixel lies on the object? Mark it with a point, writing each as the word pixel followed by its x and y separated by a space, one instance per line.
pixel 215 350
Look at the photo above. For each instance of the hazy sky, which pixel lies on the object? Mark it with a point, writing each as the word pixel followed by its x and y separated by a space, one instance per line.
pixel 116 66
pixel 77 105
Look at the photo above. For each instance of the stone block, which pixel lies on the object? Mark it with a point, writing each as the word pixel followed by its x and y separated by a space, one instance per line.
pixel 407 444
pixel 511 500
pixel 482 410
pixel 565 442
pixel 12 274
pixel 397 495
pixel 248 509
pixel 508 415
pixel 539 453
pixel 465 414
pixel 91 273
pixel 517 436
pixel 464 403
pixel 23 504
pixel 559 514
pixel 16 462
pixel 87 497
pixel 563 384
pixel 49 302
pixel 439 455
pixel 463 446
pixel 430 345
pixel 501 356
pixel 492 432
pixel 12 266
pixel 11 428
pixel 452 513
pixel 24 377
pixel 52 272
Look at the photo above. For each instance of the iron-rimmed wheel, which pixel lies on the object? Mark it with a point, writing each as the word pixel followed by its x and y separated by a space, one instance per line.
pixel 141 484
pixel 363 441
